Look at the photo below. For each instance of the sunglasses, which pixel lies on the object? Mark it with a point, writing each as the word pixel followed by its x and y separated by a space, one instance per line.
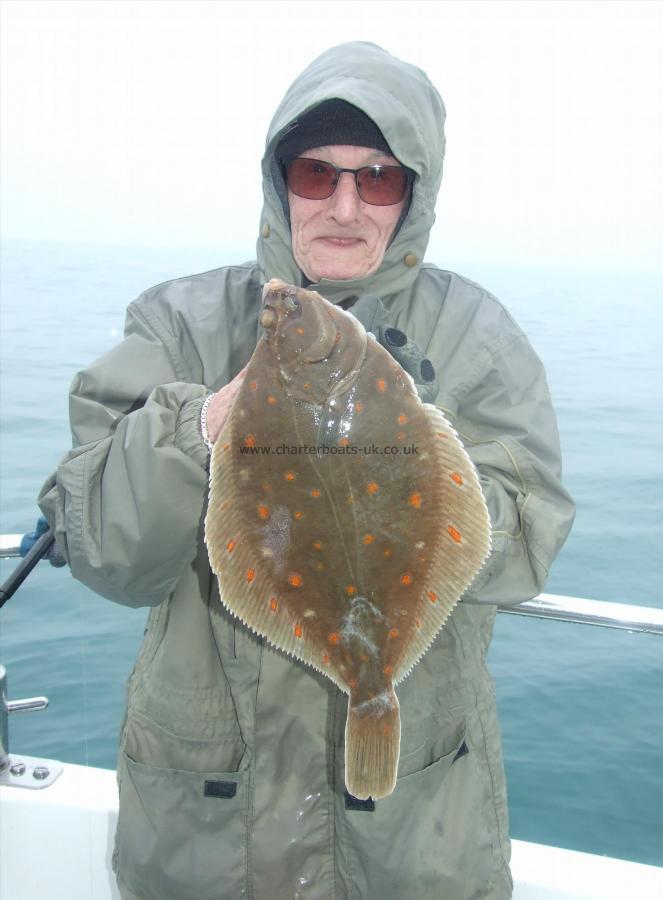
pixel 314 179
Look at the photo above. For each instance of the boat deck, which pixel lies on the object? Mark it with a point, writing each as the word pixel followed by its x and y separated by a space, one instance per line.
pixel 56 844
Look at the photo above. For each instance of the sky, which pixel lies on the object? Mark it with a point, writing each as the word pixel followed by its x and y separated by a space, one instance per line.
pixel 143 123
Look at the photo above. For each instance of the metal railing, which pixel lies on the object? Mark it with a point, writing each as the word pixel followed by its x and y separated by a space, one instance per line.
pixel 546 606
pixel 590 612
pixel 10 545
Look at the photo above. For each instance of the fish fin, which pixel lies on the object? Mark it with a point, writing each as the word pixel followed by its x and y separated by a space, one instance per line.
pixel 252 601
pixel 463 541
pixel 372 746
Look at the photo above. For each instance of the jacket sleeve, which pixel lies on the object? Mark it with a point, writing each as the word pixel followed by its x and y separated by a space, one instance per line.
pixel 507 423
pixel 126 503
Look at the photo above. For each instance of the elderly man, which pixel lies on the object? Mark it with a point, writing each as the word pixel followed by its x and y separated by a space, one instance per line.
pixel 231 753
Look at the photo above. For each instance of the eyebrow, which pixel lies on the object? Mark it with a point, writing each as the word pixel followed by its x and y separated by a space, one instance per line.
pixel 375 154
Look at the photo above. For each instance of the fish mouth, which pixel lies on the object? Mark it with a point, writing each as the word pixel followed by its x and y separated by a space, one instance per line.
pixel 280 301
pixel 274 285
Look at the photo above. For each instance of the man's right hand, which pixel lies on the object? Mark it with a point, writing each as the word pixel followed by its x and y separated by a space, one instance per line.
pixel 221 404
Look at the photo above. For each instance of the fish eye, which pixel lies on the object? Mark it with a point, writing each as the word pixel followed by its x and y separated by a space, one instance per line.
pixel 293 307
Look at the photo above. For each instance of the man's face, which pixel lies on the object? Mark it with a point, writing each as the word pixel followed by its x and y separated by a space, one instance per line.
pixel 342 237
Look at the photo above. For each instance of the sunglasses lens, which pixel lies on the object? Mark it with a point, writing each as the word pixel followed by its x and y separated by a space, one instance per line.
pixel 382 185
pixel 311 178
pixel 315 179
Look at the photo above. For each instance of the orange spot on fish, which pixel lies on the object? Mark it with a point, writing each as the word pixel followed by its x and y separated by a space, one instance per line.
pixel 372 487
pixel 359 407
pixel 253 385
pixel 385 730
pixel 368 538
pixel 352 684
pixel 263 511
pixel 381 385
pixel 250 440
pixel 298 630
pixel 271 399
pixel 393 633
pixel 230 546
pixel 318 545
pixel 333 638
pixel 406 578
pixel 250 575
pixel 306 385
pixel 295 579
pixel 350 498
pixel 289 476
pixel 338 337
pixel 298 514
pixel 457 477
pixel 417 622
pixel 414 500
pixel 363 657
pixel 401 419
pixel 400 435
pixel 350 589
pixel 432 596
pixel 273 605
pixel 455 535
pixel 299 330
pixel 226 446
pixel 344 442
pixel 387 552
pixel 388 670
pixel 315 493
pixel 325 658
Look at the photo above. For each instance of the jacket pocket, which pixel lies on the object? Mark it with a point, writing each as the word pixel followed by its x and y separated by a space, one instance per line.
pixel 181 835
pixel 426 839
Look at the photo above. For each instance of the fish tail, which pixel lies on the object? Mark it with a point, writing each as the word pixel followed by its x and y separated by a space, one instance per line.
pixel 372 746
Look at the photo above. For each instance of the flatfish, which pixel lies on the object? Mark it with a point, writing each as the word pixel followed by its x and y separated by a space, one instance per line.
pixel 345 519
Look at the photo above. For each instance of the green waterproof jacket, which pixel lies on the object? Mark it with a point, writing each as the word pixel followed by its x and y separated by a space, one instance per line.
pixel 231 753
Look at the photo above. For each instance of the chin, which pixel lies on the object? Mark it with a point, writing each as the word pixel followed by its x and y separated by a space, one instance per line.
pixel 343 272
pixel 332 275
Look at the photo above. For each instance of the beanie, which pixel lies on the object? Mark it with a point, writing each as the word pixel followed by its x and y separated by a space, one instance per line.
pixel 331 122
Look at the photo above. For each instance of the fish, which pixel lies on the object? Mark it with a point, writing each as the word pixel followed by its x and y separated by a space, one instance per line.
pixel 345 518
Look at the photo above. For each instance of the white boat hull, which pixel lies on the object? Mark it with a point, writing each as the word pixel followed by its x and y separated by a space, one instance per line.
pixel 56 844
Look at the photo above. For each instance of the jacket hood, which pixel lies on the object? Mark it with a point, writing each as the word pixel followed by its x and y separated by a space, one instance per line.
pixel 409 112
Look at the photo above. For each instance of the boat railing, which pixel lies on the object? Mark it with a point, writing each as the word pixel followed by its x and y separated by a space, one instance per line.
pixel 625 616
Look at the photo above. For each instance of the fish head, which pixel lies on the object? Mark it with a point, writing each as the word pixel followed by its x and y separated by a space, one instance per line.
pixel 319 347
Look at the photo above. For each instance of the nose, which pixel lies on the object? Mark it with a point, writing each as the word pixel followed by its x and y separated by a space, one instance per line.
pixel 345 201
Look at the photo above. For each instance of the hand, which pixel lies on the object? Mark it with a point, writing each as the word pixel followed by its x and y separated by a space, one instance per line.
pixel 221 404
pixel 370 311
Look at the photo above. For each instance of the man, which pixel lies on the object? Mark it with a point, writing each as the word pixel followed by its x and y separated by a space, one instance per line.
pixel 231 753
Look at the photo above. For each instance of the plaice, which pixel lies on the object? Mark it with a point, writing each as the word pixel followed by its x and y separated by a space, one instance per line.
pixel 345 519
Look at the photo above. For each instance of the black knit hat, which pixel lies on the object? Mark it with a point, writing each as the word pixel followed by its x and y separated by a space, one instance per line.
pixel 331 122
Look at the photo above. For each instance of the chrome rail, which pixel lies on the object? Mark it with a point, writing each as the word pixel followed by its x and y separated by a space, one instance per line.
pixel 10 545
pixel 590 612
pixel 648 619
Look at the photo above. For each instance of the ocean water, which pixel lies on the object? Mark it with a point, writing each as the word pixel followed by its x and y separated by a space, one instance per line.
pixel 581 707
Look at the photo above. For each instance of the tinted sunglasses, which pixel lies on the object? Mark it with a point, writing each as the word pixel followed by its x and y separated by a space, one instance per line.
pixel 314 179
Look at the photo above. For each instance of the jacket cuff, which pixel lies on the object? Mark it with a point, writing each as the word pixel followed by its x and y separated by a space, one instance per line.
pixel 188 438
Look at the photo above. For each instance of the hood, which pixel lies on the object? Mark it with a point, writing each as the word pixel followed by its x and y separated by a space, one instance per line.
pixel 409 112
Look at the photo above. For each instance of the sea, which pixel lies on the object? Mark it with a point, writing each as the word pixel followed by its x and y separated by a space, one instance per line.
pixel 581 707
